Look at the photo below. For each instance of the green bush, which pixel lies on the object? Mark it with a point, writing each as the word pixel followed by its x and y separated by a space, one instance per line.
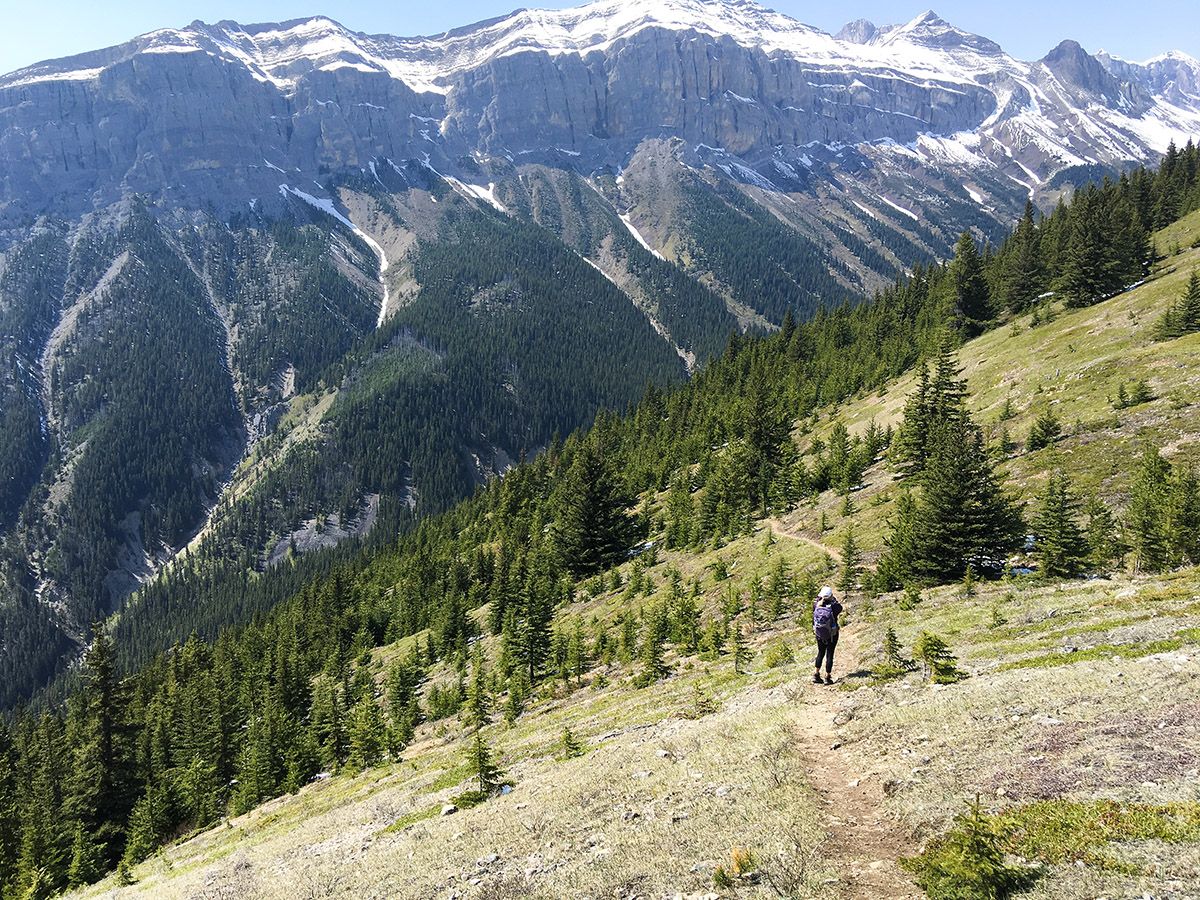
pixel 968 862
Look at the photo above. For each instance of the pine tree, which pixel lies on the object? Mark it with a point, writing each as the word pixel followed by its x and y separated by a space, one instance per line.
pixel 482 765
pixel 851 562
pixel 1061 546
pixel 594 528
pixel 1144 518
pixel 1046 430
pixel 367 735
pixel 742 654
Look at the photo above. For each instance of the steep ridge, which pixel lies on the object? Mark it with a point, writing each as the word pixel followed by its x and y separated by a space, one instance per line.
pixel 701 776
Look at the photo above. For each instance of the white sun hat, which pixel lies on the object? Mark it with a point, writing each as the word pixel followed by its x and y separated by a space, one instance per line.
pixel 826 592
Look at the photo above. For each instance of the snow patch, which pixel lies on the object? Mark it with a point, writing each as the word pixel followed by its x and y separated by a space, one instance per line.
pixel 637 236
pixel 326 206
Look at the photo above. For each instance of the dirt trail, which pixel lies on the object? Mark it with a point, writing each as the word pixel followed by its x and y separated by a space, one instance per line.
pixel 864 842
pixel 791 531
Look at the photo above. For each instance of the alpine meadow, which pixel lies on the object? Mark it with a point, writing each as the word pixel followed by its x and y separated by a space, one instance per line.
pixel 639 450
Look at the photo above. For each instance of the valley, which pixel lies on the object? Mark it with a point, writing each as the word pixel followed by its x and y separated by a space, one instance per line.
pixel 419 457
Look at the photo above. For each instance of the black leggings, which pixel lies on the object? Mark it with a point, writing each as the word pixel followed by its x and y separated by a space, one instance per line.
pixel 825 648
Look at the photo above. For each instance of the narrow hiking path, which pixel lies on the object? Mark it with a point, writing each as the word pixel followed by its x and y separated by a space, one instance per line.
pixel 864 842
pixel 778 526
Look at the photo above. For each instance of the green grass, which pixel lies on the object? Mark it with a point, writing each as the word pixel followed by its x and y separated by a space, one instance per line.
pixel 1058 831
pixel 1101 651
pixel 412 818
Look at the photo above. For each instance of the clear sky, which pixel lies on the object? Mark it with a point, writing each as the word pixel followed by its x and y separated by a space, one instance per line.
pixel 33 30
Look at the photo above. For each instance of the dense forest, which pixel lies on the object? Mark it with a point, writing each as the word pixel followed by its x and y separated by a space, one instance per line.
pixel 129 761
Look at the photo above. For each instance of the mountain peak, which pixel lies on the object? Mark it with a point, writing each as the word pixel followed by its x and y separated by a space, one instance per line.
pixel 860 31
pixel 932 31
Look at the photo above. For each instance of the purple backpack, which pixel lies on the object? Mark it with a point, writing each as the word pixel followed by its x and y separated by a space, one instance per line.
pixel 824 620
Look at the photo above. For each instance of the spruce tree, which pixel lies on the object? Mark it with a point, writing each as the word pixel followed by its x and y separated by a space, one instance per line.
pixel 962 517
pixel 479 699
pixel 1045 431
pixel 482 765
pixel 742 655
pixel 594 528
pixel 1022 281
pixel 1061 546
pixel 86 865
pixel 1181 520
pixel 570 744
pixel 367 735
pixel 968 287
pixel 1144 517
pixel 851 562
pixel 1105 546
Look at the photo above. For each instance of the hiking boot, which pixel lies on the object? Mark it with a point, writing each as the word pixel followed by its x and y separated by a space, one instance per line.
pixel 817 677
pixel 828 678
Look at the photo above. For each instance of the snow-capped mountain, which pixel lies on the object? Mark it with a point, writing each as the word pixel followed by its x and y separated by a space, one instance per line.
pixel 594 81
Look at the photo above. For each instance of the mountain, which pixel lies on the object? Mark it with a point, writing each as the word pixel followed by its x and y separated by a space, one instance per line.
pixel 266 290
pixel 505 704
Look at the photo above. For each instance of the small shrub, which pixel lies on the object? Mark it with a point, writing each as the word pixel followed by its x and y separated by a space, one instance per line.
pixel 467 799
pixel 703 703
pixel 779 655
pixel 939 665
pixel 570 744
pixel 968 863
pixel 910 600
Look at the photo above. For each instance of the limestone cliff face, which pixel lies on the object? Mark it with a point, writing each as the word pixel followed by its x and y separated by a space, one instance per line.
pixel 217 115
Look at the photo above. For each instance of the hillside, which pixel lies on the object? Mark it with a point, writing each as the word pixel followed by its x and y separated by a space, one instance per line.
pixel 1075 726
pixel 236 306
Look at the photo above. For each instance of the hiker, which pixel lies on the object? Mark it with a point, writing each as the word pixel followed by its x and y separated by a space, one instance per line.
pixel 825 626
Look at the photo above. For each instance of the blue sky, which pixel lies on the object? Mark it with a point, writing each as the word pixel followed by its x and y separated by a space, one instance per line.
pixel 34 31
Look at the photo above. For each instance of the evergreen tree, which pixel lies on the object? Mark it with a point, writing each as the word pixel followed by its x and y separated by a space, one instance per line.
pixel 1061 545
pixel 851 562
pixel 572 746
pixel 367 735
pixel 938 663
pixel 1181 519
pixel 962 517
pixel 742 655
pixel 1105 546
pixel 86 865
pixel 1045 431
pixel 1023 281
pixel 482 765
pixel 968 288
pixel 99 782
pixel 1144 518
pixel 594 528
pixel 479 698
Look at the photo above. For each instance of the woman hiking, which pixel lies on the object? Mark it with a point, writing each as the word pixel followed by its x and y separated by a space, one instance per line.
pixel 825 626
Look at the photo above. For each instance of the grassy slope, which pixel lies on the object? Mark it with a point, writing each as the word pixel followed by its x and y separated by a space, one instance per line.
pixel 1078 691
